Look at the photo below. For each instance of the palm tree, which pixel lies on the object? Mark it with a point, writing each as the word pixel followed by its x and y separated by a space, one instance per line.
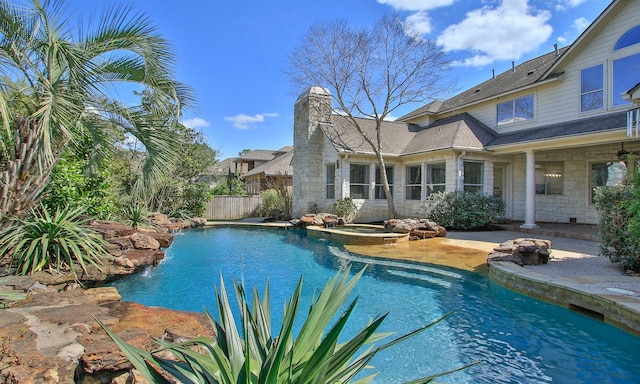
pixel 70 81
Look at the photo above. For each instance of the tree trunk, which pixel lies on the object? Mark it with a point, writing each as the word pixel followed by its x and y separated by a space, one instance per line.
pixel 26 172
pixel 385 186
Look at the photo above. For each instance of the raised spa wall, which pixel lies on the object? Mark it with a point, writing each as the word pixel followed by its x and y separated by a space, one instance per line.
pixel 352 237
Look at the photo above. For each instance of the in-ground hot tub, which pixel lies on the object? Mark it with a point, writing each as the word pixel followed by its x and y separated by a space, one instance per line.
pixel 358 234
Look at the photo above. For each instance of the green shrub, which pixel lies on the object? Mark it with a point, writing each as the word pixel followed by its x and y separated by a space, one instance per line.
pixel 71 187
pixel 272 204
pixel 276 203
pixel 46 241
pixel 233 186
pixel 346 209
pixel 253 354
pixel 194 198
pixel 463 210
pixel 617 239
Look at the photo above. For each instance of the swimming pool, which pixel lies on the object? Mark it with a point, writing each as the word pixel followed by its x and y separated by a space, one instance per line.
pixel 519 339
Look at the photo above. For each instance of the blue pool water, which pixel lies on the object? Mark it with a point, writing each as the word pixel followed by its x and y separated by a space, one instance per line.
pixel 518 339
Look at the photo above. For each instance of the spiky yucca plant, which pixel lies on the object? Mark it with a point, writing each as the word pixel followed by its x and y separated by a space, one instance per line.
pixel 51 241
pixel 136 215
pixel 255 355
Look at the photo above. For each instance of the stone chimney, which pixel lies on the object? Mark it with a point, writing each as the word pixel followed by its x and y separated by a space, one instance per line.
pixel 312 108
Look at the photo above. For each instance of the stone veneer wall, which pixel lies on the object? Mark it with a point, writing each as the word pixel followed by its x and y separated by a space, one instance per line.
pixel 311 109
pixel 313 152
pixel 575 202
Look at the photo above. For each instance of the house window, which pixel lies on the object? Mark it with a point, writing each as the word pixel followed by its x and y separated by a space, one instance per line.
pixel 331 181
pixel 592 88
pixel 473 176
pixel 359 184
pixel 607 175
pixel 414 183
pixel 516 110
pixel 631 37
pixel 379 191
pixel 626 74
pixel 436 178
pixel 549 177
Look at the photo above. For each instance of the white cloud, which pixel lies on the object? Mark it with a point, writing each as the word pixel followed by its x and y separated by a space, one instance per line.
pixel 578 26
pixel 196 122
pixel 416 5
pixel 503 33
pixel 243 121
pixel 473 61
pixel 563 5
pixel 418 24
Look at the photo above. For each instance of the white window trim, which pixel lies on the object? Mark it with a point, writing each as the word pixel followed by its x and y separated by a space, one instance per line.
pixel 329 183
pixel 367 183
pixel 406 184
pixel 427 174
pixel 605 91
pixel 513 99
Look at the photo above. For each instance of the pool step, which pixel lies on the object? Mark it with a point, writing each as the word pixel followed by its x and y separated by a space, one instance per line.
pixel 405 268
pixel 417 276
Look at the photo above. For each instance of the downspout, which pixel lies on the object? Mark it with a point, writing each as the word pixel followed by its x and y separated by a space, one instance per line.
pixel 460 171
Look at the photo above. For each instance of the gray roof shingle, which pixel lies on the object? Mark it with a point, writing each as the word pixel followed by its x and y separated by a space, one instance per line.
pixel 395 136
pixel 279 165
pixel 613 121
pixel 460 131
pixel 521 76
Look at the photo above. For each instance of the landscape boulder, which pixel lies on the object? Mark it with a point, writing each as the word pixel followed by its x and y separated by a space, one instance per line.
pixel 142 241
pixel 417 229
pixel 327 220
pixel 523 251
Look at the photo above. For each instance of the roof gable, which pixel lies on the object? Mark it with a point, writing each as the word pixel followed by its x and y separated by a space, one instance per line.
pixel 585 36
pixel 462 132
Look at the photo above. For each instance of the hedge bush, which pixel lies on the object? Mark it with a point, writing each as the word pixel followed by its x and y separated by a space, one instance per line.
pixel 463 210
pixel 276 204
pixel 346 209
pixel 617 240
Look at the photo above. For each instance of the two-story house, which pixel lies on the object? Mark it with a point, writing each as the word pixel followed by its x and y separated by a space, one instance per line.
pixel 541 136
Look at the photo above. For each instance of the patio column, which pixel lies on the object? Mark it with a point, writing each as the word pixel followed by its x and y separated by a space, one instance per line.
pixel 530 192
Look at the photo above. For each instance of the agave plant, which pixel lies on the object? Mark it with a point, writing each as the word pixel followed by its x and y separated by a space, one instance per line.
pixel 255 355
pixel 51 241
pixel 136 215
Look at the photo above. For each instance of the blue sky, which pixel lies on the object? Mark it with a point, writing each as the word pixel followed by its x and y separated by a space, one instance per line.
pixel 232 53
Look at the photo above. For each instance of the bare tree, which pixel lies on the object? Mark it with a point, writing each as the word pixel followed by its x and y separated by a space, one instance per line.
pixel 370 73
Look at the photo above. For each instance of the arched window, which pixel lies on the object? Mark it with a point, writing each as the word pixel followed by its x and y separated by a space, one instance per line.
pixel 626 69
pixel 629 38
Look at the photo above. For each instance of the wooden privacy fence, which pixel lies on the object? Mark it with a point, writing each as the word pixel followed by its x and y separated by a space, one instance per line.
pixel 233 207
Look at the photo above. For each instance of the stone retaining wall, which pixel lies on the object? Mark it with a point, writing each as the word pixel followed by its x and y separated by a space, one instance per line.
pixel 595 302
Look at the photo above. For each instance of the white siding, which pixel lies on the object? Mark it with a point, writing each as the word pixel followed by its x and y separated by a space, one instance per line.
pixel 559 101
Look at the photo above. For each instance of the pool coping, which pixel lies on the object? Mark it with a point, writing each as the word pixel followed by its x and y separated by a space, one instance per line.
pixel 580 293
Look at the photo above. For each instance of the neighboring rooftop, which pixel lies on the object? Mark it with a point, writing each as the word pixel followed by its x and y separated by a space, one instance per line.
pixel 279 165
